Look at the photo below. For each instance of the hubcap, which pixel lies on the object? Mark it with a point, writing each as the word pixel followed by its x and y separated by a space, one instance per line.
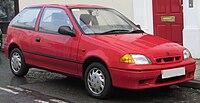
pixel 96 81
pixel 16 62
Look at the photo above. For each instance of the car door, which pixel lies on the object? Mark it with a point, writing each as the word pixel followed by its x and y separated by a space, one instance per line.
pixel 22 28
pixel 53 49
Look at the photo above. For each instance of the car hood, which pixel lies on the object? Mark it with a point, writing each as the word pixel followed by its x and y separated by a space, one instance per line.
pixel 146 44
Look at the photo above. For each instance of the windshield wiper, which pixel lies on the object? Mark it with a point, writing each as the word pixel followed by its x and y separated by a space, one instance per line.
pixel 137 31
pixel 115 31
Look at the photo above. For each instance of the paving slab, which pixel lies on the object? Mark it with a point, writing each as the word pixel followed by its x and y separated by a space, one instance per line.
pixel 196 82
pixel 197 72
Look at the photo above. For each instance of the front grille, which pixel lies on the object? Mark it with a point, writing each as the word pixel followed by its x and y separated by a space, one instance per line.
pixel 168 59
pixel 159 80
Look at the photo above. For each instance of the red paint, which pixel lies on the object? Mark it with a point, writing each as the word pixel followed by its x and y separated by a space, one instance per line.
pixel 172 31
pixel 108 48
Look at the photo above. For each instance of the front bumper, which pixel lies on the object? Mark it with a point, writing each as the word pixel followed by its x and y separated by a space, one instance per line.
pixel 148 79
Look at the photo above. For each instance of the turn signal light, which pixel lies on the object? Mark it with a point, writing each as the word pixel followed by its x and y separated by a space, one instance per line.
pixel 127 59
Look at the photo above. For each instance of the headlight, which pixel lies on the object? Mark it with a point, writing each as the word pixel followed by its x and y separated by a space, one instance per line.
pixel 135 59
pixel 186 54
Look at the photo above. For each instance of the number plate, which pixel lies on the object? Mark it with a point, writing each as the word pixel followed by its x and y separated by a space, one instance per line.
pixel 173 72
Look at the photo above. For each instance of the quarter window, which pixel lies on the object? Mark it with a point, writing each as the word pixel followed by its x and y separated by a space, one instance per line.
pixel 52 19
pixel 26 19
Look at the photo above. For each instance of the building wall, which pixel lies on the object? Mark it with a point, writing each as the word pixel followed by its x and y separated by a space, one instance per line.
pixel 143 14
pixel 191 32
pixel 125 7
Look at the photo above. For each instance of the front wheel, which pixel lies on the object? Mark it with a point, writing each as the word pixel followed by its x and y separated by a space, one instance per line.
pixel 17 63
pixel 97 81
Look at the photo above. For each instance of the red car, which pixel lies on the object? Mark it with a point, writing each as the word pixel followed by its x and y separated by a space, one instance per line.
pixel 96 44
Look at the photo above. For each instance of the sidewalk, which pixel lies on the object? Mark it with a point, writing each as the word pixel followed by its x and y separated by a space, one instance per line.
pixel 197 72
pixel 196 82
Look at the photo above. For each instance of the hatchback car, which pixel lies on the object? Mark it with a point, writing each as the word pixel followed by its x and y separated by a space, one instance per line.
pixel 97 44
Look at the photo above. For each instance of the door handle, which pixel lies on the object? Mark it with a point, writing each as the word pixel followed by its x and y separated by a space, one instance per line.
pixel 37 39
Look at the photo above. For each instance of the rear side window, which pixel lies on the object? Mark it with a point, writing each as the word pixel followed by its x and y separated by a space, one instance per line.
pixel 26 19
pixel 52 19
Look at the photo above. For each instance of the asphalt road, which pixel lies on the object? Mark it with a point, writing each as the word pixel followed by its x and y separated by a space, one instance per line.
pixel 40 86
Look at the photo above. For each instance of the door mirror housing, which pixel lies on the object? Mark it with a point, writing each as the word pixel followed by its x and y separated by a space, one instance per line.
pixel 66 30
pixel 138 26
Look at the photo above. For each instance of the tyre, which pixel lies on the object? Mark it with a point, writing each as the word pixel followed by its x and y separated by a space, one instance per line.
pixel 97 81
pixel 17 63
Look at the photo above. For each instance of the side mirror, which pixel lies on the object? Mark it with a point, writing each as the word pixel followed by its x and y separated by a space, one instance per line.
pixel 138 26
pixel 66 30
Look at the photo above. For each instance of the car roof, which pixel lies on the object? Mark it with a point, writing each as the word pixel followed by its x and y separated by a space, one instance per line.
pixel 69 6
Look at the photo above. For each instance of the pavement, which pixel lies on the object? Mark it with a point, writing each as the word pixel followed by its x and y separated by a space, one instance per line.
pixel 196 82
pixel 197 72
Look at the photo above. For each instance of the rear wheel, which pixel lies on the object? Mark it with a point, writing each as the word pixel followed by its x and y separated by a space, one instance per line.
pixel 97 81
pixel 17 63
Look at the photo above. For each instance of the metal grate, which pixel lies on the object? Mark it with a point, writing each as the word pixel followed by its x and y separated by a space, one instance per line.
pixel 159 80
pixel 168 59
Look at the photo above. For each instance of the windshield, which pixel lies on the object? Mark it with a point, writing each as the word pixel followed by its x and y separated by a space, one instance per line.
pixel 103 21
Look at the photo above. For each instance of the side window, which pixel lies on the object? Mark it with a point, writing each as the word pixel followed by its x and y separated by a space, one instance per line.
pixel 26 19
pixel 52 19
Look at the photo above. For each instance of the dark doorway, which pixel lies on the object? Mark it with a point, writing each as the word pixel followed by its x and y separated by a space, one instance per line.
pixel 8 9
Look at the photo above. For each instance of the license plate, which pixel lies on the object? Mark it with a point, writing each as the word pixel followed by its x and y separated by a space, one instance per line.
pixel 173 72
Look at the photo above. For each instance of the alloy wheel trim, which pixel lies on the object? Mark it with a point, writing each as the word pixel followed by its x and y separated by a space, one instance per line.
pixel 16 62
pixel 96 81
